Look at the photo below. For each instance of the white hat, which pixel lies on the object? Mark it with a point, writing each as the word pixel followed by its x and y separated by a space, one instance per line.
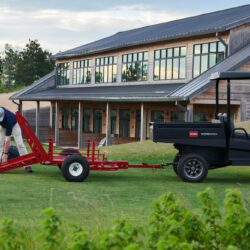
pixel 2 113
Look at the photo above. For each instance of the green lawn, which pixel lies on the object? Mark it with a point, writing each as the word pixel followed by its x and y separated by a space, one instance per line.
pixel 106 196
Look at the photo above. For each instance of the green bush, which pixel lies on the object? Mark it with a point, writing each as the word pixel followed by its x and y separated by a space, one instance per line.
pixel 171 226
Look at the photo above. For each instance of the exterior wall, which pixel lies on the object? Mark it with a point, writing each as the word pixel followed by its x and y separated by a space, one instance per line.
pixel 239 95
pixel 150 48
pixel 239 37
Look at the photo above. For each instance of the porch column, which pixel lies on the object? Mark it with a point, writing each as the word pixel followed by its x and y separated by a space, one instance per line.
pixel 190 112
pixel 37 118
pixel 80 115
pixel 108 124
pixel 56 124
pixel 20 107
pixel 143 123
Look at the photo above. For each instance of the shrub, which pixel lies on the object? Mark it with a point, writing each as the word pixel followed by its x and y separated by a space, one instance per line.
pixel 171 226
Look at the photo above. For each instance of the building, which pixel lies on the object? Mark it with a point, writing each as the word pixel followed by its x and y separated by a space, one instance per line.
pixel 115 86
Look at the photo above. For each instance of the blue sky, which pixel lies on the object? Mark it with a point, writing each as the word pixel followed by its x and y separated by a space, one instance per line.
pixel 62 24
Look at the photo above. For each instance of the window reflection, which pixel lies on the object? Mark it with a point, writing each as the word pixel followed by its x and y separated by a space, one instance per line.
pixel 82 71
pixel 135 67
pixel 170 63
pixel 106 69
pixel 207 55
pixel 62 74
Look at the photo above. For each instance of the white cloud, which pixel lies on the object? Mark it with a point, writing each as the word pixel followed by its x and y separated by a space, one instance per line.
pixel 60 29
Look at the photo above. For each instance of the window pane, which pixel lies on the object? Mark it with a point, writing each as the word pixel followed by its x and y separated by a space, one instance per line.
pixel 156 70
pixel 111 60
pixel 145 56
pixel 124 58
pixel 124 72
pixel 212 59
pixel 183 51
pixel 114 78
pixel 105 74
pixel 204 63
pixel 129 57
pixel 157 54
pixel 115 60
pixel 213 47
pixel 140 56
pixel 204 48
pixel 163 53
pixel 221 47
pixel 196 68
pixel 157 116
pixel 110 73
pixel 145 71
pixel 102 61
pixel 197 49
pixel 135 57
pixel 101 74
pixel 169 68
pixel 170 52
pixel 176 52
pixel 177 116
pixel 163 70
pixel 220 57
pixel 175 68
pixel 106 60
pixel 182 68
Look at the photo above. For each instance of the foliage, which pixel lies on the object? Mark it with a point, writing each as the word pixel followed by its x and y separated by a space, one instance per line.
pixel 171 226
pixel 20 68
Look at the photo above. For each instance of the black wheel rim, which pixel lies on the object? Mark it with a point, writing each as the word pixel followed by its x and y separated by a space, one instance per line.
pixel 193 168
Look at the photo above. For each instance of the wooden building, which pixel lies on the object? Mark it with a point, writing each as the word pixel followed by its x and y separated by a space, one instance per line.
pixel 112 88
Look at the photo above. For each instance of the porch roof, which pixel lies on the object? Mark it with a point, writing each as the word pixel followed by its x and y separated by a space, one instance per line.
pixel 133 93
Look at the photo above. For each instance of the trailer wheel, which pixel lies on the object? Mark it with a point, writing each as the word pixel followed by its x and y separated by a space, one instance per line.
pixel 75 168
pixel 175 162
pixel 192 168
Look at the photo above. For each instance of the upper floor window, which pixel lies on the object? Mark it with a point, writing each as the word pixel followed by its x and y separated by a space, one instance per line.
pixel 82 71
pixel 170 63
pixel 106 69
pixel 135 67
pixel 206 55
pixel 62 77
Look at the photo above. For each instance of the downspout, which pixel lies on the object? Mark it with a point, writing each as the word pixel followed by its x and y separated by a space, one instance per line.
pixel 223 42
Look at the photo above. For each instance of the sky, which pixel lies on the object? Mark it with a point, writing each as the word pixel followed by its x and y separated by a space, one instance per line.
pixel 59 25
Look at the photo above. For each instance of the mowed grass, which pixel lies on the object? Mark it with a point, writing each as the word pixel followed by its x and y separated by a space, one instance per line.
pixel 107 196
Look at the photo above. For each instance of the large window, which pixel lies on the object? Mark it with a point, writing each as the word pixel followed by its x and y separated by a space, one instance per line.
pixel 157 116
pixel 86 120
pixel 97 121
pixel 206 55
pixel 135 67
pixel 106 69
pixel 65 117
pixel 177 116
pixel 113 121
pixel 82 71
pixel 62 76
pixel 124 124
pixel 170 63
pixel 74 118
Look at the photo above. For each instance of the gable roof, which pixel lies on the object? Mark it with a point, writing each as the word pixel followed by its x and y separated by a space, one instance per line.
pixel 218 21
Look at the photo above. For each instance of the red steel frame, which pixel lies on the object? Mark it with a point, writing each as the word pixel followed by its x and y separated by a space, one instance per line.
pixel 96 160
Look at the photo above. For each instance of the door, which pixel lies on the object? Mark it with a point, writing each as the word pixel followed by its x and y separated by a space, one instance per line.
pixel 124 124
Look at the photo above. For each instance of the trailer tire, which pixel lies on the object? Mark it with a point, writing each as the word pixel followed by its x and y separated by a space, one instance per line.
pixel 75 168
pixel 192 168
pixel 175 162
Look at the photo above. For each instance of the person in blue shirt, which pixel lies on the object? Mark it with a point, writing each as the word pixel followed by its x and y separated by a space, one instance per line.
pixel 9 127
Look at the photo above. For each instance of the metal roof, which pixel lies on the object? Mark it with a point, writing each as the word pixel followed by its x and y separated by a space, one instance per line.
pixel 231 75
pixel 135 93
pixel 202 82
pixel 218 21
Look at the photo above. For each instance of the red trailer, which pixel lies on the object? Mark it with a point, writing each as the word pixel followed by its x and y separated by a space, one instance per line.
pixel 74 166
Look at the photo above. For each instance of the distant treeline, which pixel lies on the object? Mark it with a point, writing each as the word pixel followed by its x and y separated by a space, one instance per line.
pixel 21 67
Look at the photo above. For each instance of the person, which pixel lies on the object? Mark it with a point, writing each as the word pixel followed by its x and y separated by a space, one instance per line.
pixel 9 127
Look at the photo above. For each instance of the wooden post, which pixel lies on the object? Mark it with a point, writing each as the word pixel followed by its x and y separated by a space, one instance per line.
pixel 37 118
pixel 143 123
pixel 190 112
pixel 80 116
pixel 108 124
pixel 56 124
pixel 20 107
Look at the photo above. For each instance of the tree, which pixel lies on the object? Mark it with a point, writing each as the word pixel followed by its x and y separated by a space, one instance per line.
pixel 34 63
pixel 9 66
